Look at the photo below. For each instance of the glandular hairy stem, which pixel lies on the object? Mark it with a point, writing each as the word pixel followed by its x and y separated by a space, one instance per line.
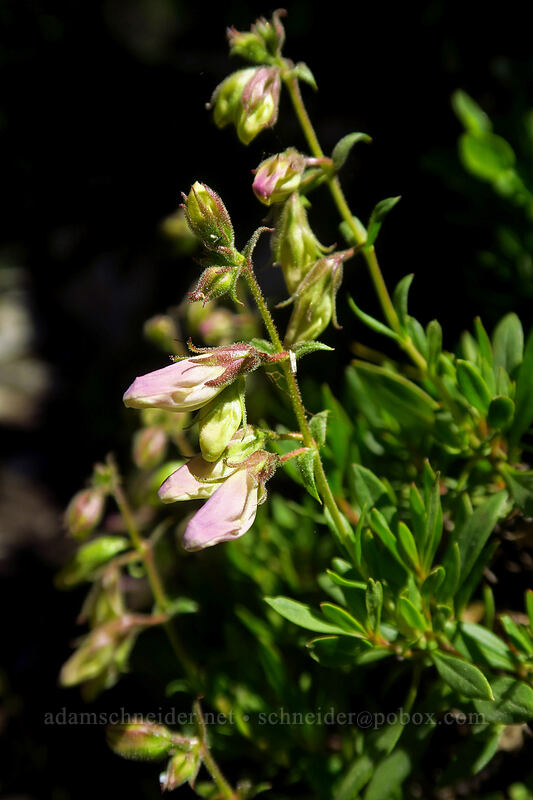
pixel 297 405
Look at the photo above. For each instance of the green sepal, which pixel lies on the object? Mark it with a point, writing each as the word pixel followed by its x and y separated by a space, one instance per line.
pixel 318 427
pixel 303 73
pixel 304 348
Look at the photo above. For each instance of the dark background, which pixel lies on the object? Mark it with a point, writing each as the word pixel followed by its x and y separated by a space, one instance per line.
pixel 102 124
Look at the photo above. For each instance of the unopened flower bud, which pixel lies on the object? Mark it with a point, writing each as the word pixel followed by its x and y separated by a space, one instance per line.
pixel 261 43
pixel 84 512
pixel 162 331
pixel 141 741
pixel 295 247
pixel 214 282
pixel 149 447
pixel 260 101
pixel 315 299
pixel 208 217
pixel 226 99
pixel 183 767
pixel 220 420
pixel 278 176
pixel 89 557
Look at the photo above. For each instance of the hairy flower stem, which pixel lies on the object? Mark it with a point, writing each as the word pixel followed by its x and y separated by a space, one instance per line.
pixel 297 405
pixel 357 230
pixel 208 761
pixel 146 554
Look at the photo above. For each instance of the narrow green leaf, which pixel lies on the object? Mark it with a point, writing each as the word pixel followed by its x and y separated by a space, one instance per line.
pixel 433 524
pixel 433 581
pixel 468 587
pixel 524 394
pixel 368 491
pixel 474 534
pixel 379 525
pixel 407 545
pixel 303 73
pixel 339 616
pixel 353 238
pixel 486 155
pixel 355 779
pixel 337 651
pixel 480 645
pixel 400 298
pixel 304 348
pixel 434 341
pixel 306 465
pixel 469 113
pixel 529 607
pixel 406 402
pixel 452 567
pixel 473 386
pixel 521 487
pixel 485 346
pixel 389 775
pixel 462 677
pixel 508 343
pixel 410 613
pixel 302 615
pixel 374 603
pixel 418 516
pixel 517 635
pixel 341 580
pixel 513 702
pixel 342 149
pixel 370 322
pixel 376 219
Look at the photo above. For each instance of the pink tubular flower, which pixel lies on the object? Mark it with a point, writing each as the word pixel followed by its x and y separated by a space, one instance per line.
pixel 228 513
pixel 183 386
pixel 196 480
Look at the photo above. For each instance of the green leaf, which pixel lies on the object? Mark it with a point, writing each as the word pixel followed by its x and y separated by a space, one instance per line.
pixel 508 343
pixel 353 239
pixel 524 394
pixel 318 427
pixel 181 605
pixel 303 73
pixel 452 567
pixel 432 582
pixel 469 113
pixel 337 651
pixel 304 348
pixel 521 487
pixel 389 775
pixel 485 346
pixel 480 645
pixel 400 298
pixel 374 603
pixel 339 616
pixel 529 606
pixel 379 525
pixel 473 535
pixel 434 342
pixel 340 427
pixel 376 219
pixel 501 413
pixel 467 587
pixel 517 635
pixel 462 677
pixel 368 491
pixel 410 613
pixel 473 386
pixel 357 776
pixel 306 465
pixel 433 524
pixel 341 151
pixel 513 702
pixel 370 322
pixel 407 544
pixel 486 155
pixel 263 345
pixel 302 615
pixel 409 405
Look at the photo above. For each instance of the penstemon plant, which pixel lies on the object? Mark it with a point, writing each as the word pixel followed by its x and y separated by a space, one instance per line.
pixel 370 593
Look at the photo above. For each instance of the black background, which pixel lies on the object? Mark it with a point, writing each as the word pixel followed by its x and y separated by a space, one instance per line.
pixel 102 125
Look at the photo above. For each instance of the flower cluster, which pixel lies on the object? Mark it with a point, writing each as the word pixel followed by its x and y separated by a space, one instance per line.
pixel 232 469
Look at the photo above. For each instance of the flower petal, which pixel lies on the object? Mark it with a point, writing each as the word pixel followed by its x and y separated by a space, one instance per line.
pixel 227 515
pixel 178 387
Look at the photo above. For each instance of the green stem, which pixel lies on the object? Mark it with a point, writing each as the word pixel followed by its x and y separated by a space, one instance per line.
pixel 297 404
pixel 209 762
pixel 146 554
pixel 357 230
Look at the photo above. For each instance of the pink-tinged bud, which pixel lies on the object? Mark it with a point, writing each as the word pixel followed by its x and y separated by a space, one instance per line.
pixel 208 217
pixel 196 480
pixel 226 99
pixel 262 43
pixel 149 447
pixel 213 283
pixel 162 331
pixel 260 102
pixel 227 515
pixel 278 176
pixel 315 298
pixel 141 741
pixel 84 512
pixel 182 768
pixel 294 245
pixel 182 386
